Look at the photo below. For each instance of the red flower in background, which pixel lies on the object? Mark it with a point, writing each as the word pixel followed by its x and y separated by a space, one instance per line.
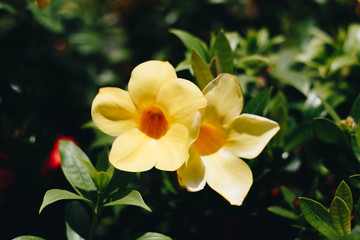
pixel 53 161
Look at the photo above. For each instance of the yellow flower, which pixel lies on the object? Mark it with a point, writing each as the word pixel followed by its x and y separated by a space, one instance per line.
pixel 42 4
pixel 151 120
pixel 224 136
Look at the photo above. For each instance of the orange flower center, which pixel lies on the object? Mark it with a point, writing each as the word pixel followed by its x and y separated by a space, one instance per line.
pixel 210 139
pixel 153 122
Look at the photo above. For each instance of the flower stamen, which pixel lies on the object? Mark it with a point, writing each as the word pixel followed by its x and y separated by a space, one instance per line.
pixel 153 122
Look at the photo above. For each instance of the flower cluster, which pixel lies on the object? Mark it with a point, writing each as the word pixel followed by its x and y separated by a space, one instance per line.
pixel 167 122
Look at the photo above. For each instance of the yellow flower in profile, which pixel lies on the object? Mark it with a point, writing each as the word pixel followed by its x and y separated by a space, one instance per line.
pixel 151 120
pixel 42 4
pixel 224 136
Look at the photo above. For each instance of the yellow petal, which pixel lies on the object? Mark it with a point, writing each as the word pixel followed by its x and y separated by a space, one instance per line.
pixel 180 99
pixel 133 152
pixel 249 134
pixel 192 173
pixel 42 4
pixel 225 99
pixel 195 127
pixel 113 112
pixel 172 149
pixel 228 175
pixel 147 79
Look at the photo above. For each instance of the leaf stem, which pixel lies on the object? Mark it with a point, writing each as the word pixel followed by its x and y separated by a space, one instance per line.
pixel 96 216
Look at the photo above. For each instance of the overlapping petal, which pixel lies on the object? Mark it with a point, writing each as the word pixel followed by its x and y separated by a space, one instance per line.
pixel 147 79
pixel 180 99
pixel 225 99
pixel 113 111
pixel 172 149
pixel 249 134
pixel 228 175
pixel 133 151
pixel 192 173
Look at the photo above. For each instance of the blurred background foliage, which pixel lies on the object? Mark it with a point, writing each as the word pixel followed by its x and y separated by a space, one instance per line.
pixel 296 60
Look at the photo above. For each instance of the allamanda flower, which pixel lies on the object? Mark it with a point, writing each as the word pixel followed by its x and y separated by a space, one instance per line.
pixel 224 137
pixel 151 120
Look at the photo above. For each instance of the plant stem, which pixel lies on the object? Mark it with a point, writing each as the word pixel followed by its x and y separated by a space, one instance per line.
pixel 96 216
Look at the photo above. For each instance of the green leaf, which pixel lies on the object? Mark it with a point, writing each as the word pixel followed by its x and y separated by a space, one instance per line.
pixel 328 131
pixel 102 179
pixel 258 104
pixel 331 111
pixel 54 195
pixel 298 136
pixel 289 196
pixel 279 113
pixel 102 164
pixel 202 72
pixel 72 164
pixel 283 212
pixel 7 7
pixel 167 182
pixel 294 79
pixel 133 198
pixel 153 236
pixel 191 42
pixel 28 237
pixel 318 217
pixel 355 141
pixel 355 180
pixel 357 213
pixel 77 221
pixel 340 216
pixel 355 109
pixel 224 52
pixel 343 191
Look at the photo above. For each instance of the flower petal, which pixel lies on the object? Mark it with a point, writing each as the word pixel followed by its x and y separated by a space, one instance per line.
pixel 194 130
pixel 147 79
pixel 228 175
pixel 192 173
pixel 180 99
pixel 133 152
pixel 172 149
pixel 249 134
pixel 112 111
pixel 225 99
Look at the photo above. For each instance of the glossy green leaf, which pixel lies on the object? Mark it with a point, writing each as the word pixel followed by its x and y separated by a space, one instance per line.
pixel 202 72
pixel 341 62
pixel 133 198
pixel 77 221
pixel 328 131
pixel 258 104
pixel 355 141
pixel 317 216
pixel 72 159
pixel 191 42
pixel 343 191
pixel 355 109
pixel 153 236
pixel 28 237
pixel 355 180
pixel 102 179
pixel 279 113
pixel 54 195
pixel 119 181
pixel 289 196
pixel 224 53
pixel 340 216
pixel 283 212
